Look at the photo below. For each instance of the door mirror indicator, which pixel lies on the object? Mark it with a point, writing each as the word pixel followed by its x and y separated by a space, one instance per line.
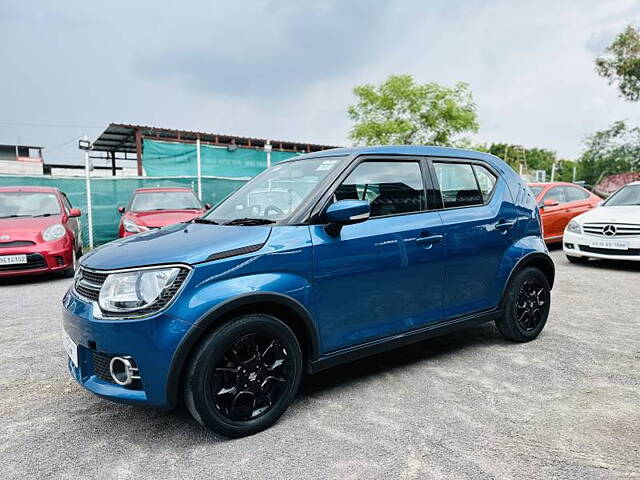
pixel 75 212
pixel 345 212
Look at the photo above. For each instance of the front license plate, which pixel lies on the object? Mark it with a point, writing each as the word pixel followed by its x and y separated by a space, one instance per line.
pixel 13 259
pixel 71 349
pixel 611 244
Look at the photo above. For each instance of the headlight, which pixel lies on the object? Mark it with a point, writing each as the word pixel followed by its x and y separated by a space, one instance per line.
pixel 133 227
pixel 574 227
pixel 53 232
pixel 135 290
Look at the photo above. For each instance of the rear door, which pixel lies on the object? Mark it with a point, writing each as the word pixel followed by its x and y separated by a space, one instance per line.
pixel 479 220
pixel 383 276
pixel 555 217
pixel 578 201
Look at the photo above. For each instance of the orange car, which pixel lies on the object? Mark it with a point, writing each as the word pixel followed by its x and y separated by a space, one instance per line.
pixel 559 202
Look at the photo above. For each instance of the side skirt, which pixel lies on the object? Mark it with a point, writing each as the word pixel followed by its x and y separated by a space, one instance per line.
pixel 374 347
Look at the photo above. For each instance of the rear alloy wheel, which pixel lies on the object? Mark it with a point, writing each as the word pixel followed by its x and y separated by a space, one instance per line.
pixel 244 375
pixel 526 306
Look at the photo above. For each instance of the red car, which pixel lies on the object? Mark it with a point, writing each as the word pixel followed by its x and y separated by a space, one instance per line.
pixel 39 231
pixel 559 202
pixel 158 207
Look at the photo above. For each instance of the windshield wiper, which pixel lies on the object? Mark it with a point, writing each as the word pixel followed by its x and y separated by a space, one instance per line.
pixel 205 221
pixel 44 214
pixel 16 216
pixel 250 221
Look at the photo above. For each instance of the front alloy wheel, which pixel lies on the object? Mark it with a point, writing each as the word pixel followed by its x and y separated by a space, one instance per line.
pixel 244 375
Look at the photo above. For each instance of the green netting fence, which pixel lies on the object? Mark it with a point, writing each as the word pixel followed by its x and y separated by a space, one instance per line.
pixel 109 193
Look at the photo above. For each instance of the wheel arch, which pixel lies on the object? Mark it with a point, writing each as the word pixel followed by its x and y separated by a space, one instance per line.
pixel 285 308
pixel 541 261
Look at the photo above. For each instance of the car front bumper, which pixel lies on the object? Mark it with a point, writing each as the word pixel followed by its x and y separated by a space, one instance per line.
pixel 41 258
pixel 151 342
pixel 581 245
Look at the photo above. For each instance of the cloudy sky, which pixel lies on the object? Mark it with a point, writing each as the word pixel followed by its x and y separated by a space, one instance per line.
pixel 285 69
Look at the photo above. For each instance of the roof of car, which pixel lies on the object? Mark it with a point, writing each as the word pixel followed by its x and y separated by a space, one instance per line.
pixel 549 184
pixel 30 189
pixel 401 150
pixel 162 189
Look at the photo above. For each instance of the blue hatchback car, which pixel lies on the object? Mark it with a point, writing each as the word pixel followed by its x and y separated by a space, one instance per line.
pixel 319 260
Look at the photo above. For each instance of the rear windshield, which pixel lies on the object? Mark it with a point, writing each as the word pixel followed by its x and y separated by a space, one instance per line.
pixel 152 201
pixel 28 204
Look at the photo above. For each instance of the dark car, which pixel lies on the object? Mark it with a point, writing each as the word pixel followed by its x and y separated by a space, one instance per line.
pixel 370 249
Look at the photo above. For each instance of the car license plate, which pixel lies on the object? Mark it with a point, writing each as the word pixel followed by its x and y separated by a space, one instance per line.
pixel 611 244
pixel 13 259
pixel 71 348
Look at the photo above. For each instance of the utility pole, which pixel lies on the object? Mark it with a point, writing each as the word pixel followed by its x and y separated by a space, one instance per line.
pixel 85 145
pixel 268 148
pixel 199 165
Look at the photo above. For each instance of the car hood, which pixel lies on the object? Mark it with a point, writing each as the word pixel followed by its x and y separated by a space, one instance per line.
pixel 630 214
pixel 181 243
pixel 25 228
pixel 162 218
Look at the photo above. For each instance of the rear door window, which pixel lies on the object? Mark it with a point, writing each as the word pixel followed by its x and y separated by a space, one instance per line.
pixel 556 194
pixel 458 185
pixel 486 181
pixel 575 194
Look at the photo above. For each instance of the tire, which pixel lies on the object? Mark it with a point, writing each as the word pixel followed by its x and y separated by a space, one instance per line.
pixel 71 271
pixel 526 306
pixel 578 260
pixel 221 382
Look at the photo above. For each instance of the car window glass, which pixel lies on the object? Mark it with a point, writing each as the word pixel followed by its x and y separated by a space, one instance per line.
pixel 389 187
pixel 28 204
pixel 66 202
pixel 486 181
pixel 556 194
pixel 458 185
pixel 574 194
pixel 169 200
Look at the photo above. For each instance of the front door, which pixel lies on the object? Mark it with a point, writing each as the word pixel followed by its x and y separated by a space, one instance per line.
pixel 383 276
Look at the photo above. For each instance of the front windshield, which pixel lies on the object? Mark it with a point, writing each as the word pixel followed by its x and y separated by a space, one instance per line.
pixel 275 193
pixel 536 190
pixel 626 196
pixel 152 201
pixel 28 204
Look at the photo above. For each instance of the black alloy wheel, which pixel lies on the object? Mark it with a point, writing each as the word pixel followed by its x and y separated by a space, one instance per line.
pixel 530 304
pixel 251 377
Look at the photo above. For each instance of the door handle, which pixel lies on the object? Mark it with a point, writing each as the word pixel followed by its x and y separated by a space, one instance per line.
pixel 429 239
pixel 504 225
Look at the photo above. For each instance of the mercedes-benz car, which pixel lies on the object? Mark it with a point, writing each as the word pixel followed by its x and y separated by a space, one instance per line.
pixel 611 231
pixel 355 251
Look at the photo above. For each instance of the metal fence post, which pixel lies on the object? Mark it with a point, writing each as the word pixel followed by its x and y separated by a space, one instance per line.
pixel 199 163
pixel 87 174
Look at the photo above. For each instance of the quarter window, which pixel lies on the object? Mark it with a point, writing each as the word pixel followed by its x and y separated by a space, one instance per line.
pixel 458 185
pixel 390 188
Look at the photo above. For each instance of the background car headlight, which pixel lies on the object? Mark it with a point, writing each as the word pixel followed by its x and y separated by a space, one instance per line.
pixel 574 227
pixel 135 290
pixel 133 227
pixel 53 232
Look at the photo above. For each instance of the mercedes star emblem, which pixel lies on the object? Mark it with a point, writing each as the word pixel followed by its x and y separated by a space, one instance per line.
pixel 609 230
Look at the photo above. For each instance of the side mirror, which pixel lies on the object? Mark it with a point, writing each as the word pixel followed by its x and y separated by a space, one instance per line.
pixel 207 206
pixel 345 212
pixel 121 209
pixel 75 212
pixel 550 203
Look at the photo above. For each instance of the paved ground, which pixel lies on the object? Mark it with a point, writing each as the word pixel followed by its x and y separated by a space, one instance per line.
pixel 468 405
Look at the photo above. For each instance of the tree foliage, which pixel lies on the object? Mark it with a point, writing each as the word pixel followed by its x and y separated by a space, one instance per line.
pixel 610 151
pixel 621 63
pixel 401 111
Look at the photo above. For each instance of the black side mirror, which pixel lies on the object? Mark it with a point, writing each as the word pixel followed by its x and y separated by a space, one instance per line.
pixel 207 206
pixel 121 209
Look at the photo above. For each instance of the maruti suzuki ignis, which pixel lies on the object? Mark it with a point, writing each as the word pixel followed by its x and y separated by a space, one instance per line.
pixel 317 261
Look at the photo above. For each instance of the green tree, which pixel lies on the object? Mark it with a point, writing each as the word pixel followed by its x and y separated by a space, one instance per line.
pixel 401 111
pixel 610 151
pixel 621 63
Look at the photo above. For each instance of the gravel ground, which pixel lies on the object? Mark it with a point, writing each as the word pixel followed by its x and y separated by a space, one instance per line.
pixel 467 405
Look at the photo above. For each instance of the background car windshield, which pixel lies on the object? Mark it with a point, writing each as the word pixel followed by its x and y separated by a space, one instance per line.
pixel 276 193
pixel 536 190
pixel 28 204
pixel 149 201
pixel 626 196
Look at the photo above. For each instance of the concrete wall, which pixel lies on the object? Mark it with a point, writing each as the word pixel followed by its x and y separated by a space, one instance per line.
pixel 12 167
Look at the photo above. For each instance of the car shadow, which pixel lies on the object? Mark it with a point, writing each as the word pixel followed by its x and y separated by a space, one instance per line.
pixel 450 344
pixel 618 265
pixel 31 279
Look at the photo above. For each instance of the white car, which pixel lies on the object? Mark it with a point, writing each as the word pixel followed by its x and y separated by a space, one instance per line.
pixel 611 231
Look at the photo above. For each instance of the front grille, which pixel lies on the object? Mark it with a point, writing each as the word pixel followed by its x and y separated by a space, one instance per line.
pixel 34 260
pixel 622 229
pixel 17 243
pixel 101 367
pixel 610 251
pixel 89 282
